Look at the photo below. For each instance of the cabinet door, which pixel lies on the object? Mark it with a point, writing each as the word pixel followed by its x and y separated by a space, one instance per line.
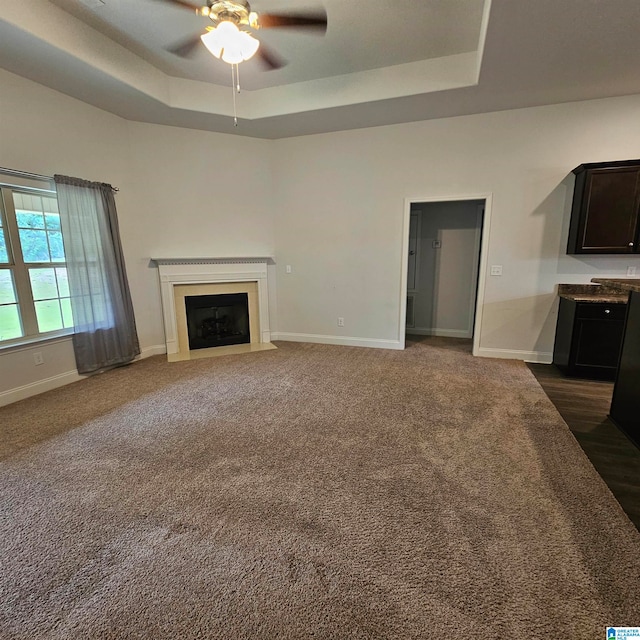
pixel 597 343
pixel 608 215
pixel 588 338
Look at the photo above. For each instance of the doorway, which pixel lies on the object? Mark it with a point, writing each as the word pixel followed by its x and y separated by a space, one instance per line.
pixel 444 250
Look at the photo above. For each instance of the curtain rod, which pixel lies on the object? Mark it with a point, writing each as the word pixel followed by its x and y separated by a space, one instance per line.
pixel 26 174
pixel 32 176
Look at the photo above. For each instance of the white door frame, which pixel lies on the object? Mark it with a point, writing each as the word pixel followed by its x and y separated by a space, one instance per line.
pixel 484 259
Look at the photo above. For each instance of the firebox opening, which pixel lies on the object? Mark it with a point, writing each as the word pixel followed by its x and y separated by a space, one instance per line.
pixel 217 320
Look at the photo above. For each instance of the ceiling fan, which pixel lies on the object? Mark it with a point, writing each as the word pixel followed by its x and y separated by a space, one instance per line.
pixel 226 39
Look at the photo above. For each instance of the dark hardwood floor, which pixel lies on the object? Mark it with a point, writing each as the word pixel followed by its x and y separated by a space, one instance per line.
pixel 584 405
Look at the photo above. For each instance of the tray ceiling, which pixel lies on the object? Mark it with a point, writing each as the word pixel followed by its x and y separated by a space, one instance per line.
pixel 380 62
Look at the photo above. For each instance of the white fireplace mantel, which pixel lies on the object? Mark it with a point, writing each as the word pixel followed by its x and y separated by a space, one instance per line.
pixel 181 271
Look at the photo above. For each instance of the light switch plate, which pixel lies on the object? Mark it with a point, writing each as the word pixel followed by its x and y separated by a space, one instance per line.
pixel 496 269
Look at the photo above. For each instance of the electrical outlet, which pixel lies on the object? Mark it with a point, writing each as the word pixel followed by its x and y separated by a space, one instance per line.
pixel 37 357
pixel 631 271
pixel 341 322
pixel 288 268
pixel 496 269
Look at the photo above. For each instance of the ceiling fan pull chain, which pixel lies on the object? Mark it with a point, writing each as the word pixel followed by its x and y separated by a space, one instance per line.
pixel 233 90
pixel 238 78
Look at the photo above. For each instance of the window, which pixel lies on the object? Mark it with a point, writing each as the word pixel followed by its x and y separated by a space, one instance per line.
pixel 34 292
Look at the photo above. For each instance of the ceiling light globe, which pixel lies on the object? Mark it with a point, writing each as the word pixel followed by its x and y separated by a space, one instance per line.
pixel 227 31
pixel 211 40
pixel 249 45
pixel 232 55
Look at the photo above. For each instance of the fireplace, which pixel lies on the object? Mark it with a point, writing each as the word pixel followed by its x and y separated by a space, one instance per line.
pixel 228 299
pixel 217 320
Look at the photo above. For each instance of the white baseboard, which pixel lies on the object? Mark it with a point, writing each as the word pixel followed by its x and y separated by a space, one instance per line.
pixel 60 380
pixel 35 388
pixel 540 357
pixel 346 341
pixel 445 333
pixel 68 377
pixel 155 350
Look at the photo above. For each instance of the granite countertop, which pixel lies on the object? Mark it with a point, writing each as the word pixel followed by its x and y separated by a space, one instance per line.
pixel 621 284
pixel 596 293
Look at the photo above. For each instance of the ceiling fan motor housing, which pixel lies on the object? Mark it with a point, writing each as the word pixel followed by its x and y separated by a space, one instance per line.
pixel 236 11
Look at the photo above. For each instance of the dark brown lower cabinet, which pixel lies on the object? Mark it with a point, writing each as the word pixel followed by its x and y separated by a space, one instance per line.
pixel 625 405
pixel 588 338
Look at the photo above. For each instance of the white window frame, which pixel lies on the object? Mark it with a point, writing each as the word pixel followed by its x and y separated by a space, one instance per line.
pixel 20 269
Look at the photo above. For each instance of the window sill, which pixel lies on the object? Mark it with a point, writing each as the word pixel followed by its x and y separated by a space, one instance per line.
pixel 22 344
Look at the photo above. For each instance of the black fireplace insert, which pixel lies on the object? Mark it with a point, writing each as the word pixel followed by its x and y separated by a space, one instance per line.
pixel 217 320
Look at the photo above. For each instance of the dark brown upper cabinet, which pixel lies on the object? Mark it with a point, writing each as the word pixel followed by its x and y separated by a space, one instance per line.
pixel 606 208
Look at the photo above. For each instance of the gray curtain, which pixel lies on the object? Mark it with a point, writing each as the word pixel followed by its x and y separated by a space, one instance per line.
pixel 105 329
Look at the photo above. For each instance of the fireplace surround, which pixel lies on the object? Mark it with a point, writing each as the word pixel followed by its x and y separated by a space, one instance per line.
pixel 184 278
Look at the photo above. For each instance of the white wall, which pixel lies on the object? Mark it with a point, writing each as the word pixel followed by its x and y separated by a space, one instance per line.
pixel 340 207
pixel 182 193
pixel 446 277
pixel 45 132
pixel 332 206
pixel 191 194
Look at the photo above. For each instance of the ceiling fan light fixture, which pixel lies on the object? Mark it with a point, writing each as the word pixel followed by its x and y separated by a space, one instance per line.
pixel 226 41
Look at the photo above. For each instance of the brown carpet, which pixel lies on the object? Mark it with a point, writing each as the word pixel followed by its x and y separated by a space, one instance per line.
pixel 309 492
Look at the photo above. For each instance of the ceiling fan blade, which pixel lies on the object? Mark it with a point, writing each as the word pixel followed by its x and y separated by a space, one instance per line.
pixel 186 48
pixel 269 58
pixel 316 21
pixel 183 3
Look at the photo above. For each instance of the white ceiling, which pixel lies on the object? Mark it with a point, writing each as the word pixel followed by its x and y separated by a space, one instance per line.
pixel 380 62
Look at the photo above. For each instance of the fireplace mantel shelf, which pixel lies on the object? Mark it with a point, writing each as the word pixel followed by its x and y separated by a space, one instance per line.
pixel 230 260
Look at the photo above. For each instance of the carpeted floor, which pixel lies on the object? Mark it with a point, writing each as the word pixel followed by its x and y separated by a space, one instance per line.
pixel 310 492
